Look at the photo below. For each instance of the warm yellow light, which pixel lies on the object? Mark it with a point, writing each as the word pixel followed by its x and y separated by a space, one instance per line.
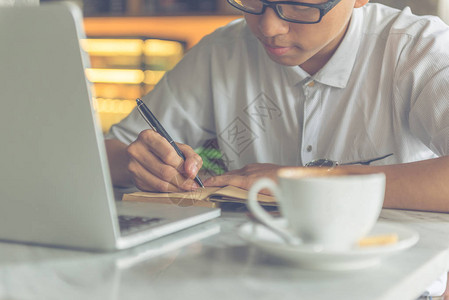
pixel 113 47
pixel 152 77
pixel 156 47
pixel 115 76
pixel 117 106
pixel 112 111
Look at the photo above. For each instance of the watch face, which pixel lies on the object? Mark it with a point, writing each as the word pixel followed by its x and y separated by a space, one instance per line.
pixel 321 163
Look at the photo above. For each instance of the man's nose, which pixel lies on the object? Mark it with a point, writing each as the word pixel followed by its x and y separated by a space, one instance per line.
pixel 271 25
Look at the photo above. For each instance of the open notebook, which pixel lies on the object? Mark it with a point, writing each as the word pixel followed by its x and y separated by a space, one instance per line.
pixel 209 197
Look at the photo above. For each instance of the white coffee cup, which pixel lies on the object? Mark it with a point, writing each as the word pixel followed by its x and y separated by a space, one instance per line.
pixel 329 210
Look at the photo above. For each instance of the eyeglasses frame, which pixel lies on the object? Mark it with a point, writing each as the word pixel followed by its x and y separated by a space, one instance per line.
pixel 323 7
pixel 324 162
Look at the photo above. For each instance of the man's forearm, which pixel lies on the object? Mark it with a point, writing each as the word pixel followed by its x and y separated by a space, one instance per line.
pixel 422 185
pixel 118 163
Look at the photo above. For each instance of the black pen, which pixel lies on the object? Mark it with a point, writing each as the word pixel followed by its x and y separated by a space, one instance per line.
pixel 155 125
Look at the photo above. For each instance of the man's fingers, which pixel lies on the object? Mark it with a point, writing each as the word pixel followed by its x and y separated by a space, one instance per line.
pixel 150 172
pixel 147 181
pixel 193 162
pixel 160 147
pixel 223 180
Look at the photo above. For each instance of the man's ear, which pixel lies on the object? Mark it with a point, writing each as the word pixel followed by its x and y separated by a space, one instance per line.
pixel 360 3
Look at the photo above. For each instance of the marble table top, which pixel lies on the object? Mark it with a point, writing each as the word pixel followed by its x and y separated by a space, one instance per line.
pixel 210 261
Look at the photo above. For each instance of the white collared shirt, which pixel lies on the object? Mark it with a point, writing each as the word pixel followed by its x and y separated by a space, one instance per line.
pixel 385 90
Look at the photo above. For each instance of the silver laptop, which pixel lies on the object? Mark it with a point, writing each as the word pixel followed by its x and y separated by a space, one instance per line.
pixel 55 187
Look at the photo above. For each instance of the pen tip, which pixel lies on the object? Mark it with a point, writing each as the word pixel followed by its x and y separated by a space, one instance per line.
pixel 199 182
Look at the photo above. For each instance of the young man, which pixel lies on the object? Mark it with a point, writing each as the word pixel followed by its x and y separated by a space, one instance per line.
pixel 298 81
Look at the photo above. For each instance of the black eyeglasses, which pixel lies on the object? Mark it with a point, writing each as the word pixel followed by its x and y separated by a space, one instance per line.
pixel 332 163
pixel 295 12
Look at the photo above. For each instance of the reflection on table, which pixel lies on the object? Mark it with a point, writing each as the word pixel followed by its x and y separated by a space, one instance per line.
pixel 212 261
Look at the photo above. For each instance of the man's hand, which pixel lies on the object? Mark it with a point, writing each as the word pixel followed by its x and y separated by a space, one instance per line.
pixel 245 177
pixel 154 165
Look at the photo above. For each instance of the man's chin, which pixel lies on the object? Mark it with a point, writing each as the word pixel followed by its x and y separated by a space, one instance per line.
pixel 287 61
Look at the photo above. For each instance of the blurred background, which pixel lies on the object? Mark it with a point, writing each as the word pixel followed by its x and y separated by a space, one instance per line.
pixel 419 7
pixel 132 43
pixel 146 7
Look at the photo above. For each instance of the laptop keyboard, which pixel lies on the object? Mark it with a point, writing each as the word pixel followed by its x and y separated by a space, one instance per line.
pixel 132 224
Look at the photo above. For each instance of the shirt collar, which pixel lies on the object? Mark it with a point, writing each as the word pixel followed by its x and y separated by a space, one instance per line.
pixel 337 71
pixel 296 75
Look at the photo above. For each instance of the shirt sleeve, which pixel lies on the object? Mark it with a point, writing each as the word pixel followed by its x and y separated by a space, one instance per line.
pixel 181 101
pixel 423 83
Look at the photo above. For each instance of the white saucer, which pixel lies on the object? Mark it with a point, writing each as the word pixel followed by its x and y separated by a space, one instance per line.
pixel 311 258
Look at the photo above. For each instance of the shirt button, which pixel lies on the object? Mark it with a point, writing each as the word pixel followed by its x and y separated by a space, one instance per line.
pixel 311 84
pixel 309 148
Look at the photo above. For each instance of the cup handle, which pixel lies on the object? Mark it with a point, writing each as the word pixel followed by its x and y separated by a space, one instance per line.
pixel 262 216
